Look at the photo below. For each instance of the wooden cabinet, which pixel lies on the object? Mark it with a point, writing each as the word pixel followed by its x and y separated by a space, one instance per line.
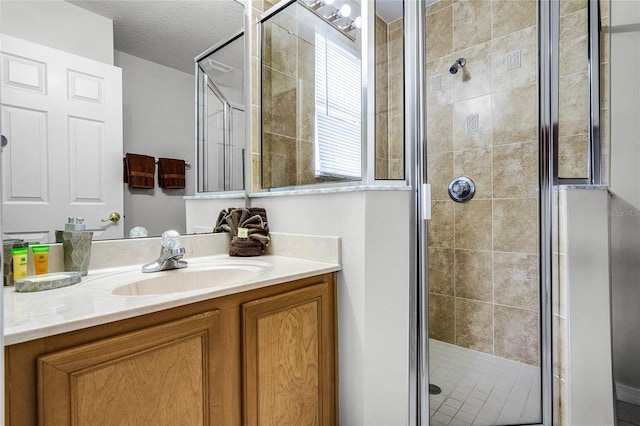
pixel 262 357
pixel 289 358
pixel 168 374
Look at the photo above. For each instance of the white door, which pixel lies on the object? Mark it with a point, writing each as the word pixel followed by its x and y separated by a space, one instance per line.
pixel 62 115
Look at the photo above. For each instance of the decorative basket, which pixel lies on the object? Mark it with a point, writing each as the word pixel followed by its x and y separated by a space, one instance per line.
pixel 244 247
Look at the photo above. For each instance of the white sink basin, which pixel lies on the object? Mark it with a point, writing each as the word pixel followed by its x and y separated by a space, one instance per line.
pixel 198 278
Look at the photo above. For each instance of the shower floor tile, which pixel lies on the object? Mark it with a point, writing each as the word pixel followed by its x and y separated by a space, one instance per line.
pixel 481 389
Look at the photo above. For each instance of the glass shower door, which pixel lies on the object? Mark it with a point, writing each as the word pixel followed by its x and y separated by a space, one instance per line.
pixel 482 152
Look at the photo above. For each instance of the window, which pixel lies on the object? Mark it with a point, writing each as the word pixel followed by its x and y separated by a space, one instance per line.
pixel 338 111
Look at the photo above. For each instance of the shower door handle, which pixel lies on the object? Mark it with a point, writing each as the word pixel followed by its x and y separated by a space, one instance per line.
pixel 426 201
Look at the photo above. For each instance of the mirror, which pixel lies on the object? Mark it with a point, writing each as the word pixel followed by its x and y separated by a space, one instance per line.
pixel 155 43
pixel 221 117
pixel 311 94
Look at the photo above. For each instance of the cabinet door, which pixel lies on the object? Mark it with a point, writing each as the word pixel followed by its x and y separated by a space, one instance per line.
pixel 162 375
pixel 289 358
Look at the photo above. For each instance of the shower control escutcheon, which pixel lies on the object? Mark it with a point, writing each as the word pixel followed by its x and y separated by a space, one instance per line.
pixel 462 189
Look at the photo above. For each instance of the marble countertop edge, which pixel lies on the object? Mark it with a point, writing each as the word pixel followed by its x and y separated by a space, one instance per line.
pixel 30 316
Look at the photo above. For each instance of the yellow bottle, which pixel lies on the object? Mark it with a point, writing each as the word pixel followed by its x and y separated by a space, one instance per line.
pixel 41 259
pixel 19 262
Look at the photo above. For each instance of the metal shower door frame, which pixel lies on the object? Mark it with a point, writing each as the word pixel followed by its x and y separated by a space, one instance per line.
pixel 415 140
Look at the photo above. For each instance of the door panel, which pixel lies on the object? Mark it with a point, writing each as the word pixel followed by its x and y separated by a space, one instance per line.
pixel 62 114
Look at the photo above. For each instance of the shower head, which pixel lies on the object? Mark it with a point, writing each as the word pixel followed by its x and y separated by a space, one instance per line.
pixel 457 65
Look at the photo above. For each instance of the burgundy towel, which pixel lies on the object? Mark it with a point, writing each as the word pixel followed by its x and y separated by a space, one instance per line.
pixel 139 171
pixel 171 173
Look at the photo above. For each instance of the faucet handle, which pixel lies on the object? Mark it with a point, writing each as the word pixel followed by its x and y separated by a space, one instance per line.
pixel 170 239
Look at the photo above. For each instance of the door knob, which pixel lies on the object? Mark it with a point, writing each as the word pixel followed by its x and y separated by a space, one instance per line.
pixel 113 217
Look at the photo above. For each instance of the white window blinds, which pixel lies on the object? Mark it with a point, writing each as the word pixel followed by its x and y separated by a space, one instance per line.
pixel 338 111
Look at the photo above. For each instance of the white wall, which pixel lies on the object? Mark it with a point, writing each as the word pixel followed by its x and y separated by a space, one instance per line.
pixel 625 184
pixel 373 289
pixel 625 101
pixel 159 120
pixel 61 25
pixel 625 286
pixel 590 375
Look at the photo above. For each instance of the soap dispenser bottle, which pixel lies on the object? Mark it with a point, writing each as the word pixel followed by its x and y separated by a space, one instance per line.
pixel 76 242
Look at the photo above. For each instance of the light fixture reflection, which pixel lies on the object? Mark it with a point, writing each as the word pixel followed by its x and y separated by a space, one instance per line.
pixel 336 17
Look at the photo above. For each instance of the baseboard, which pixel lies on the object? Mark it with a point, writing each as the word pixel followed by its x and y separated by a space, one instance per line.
pixel 628 394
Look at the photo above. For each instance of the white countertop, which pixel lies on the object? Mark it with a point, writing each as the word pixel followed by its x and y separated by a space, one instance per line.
pixel 29 316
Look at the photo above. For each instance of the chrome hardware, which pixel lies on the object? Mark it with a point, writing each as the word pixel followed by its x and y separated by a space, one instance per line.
pixel 462 189
pixel 113 217
pixel 170 254
pixel 457 66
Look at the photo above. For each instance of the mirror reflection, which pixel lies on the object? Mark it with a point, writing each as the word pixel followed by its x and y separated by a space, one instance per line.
pixel 311 94
pixel 389 90
pixel 154 43
pixel 221 118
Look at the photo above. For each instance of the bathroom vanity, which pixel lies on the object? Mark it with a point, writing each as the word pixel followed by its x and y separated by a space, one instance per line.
pixel 261 351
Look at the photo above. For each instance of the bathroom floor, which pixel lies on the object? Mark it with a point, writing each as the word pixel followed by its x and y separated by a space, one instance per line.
pixel 481 389
pixel 628 414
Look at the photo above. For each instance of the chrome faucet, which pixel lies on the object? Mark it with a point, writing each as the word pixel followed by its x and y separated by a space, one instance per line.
pixel 170 254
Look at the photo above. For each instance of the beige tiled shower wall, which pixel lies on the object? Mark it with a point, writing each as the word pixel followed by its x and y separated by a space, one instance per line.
pixel 483 123
pixel 573 128
pixel 389 100
pixel 288 92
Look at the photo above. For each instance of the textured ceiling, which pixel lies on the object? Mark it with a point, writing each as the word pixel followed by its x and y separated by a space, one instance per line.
pixel 168 32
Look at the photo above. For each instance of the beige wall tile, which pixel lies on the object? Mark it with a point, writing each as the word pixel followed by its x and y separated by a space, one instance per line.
pixel 396 94
pixel 441 226
pixel 440 68
pixel 573 155
pixel 573 104
pixel 256 130
pixel 475 78
pixel 516 281
pixel 280 45
pixel 516 334
pixel 382 168
pixel 279 150
pixel 306 111
pixel 515 169
pixel 441 269
pixel 439 125
pixel 574 43
pixel 439 174
pixel 439 37
pixel 474 325
pixel 279 107
pixel 396 168
pixel 508 16
pixel 463 113
pixel 439 5
pixel 306 62
pixel 441 318
pixel 515 115
pixel 471 23
pixel 571 6
pixel 305 164
pixel 256 167
pixel 473 278
pixel 476 165
pixel 396 137
pixel 396 53
pixel 382 136
pixel 515 225
pixel 524 42
pixel 473 225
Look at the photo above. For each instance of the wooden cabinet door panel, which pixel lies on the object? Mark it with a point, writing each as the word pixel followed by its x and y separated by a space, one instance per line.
pixel 289 358
pixel 168 374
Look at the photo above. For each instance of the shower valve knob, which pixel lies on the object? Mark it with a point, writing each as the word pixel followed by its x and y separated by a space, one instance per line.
pixel 462 189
